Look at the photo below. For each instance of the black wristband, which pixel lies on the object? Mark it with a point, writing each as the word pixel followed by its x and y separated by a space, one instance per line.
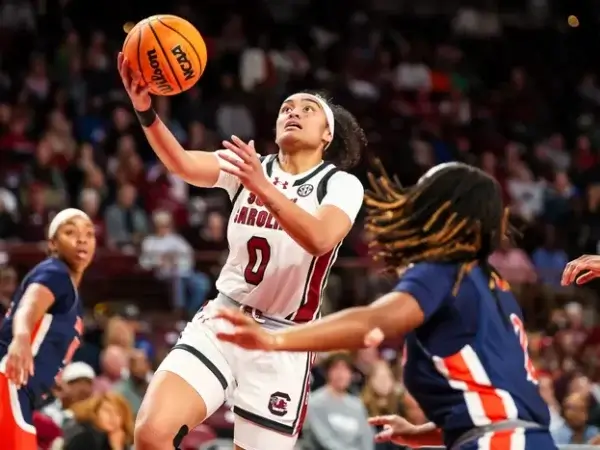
pixel 146 118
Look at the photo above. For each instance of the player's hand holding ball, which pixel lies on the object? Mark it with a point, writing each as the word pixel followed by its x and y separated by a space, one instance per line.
pixel 162 55
pixel 247 333
pixel 245 164
pixel 132 80
pixel 19 362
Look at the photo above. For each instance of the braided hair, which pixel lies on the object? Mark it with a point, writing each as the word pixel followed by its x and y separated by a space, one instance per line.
pixel 453 214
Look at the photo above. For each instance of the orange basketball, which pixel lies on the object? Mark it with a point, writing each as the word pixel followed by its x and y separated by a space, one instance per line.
pixel 168 51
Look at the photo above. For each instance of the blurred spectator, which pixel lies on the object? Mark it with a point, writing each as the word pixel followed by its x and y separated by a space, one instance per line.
pixel 126 223
pixel 89 203
pixel 82 168
pixel 212 236
pixel 167 192
pixel 75 384
pixel 36 216
pixel 8 201
pixel 171 258
pixel 232 116
pixel 120 333
pixel 131 315
pixel 335 418
pixel 382 396
pixel 162 105
pixel 114 366
pixel 558 199
pixel 547 392
pixel 575 430
pixel 550 259
pixel 46 176
pixel 526 193
pixel 8 286
pixel 48 433
pixel 103 422
pixel 575 325
pixel 365 360
pixel 8 227
pixel 513 264
pixel 134 386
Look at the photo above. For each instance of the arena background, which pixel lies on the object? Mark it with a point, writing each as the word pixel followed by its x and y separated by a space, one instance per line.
pixel 510 86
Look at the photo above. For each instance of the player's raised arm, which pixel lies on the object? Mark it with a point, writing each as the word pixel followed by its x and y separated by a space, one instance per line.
pixel 195 167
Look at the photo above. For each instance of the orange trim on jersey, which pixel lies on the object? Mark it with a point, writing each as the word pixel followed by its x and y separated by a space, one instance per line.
pixel 499 283
pixel 314 292
pixel 501 440
pixel 492 404
pixel 36 329
pixel 13 436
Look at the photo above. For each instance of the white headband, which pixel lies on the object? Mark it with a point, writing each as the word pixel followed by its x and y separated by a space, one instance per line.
pixel 62 217
pixel 326 109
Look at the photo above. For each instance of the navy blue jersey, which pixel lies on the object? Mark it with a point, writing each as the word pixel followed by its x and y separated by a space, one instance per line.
pixel 57 335
pixel 467 365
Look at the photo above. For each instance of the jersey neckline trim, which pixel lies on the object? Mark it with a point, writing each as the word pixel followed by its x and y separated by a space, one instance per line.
pixel 300 181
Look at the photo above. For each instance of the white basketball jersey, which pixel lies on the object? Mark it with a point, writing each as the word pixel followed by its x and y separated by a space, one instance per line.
pixel 266 269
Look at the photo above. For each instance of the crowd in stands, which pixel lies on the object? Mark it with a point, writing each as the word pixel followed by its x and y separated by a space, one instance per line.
pixel 520 103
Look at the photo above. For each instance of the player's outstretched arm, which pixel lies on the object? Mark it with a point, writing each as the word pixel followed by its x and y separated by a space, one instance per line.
pixel 393 314
pixel 195 167
pixel 36 301
pixel 581 270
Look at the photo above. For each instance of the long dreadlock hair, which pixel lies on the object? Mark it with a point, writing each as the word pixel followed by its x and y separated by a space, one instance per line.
pixel 454 214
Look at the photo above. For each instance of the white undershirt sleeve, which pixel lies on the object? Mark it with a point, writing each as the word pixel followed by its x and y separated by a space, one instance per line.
pixel 226 181
pixel 346 192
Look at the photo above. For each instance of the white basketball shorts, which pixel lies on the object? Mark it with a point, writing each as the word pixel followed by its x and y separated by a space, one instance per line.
pixel 269 390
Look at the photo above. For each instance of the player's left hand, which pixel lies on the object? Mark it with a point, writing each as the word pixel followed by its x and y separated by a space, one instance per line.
pixel 581 270
pixel 400 431
pixel 246 166
pixel 247 333
pixel 19 361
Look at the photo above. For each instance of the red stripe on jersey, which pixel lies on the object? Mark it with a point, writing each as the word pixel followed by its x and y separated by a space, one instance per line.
pixel 305 394
pixel 492 404
pixel 313 293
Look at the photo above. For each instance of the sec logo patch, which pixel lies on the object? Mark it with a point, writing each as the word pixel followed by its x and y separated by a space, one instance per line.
pixel 305 190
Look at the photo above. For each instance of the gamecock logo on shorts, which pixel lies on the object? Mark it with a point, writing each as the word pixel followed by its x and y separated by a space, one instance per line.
pixel 278 403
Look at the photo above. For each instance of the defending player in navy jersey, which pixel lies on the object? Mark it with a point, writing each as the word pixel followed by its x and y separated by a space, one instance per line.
pixel 466 349
pixel 43 327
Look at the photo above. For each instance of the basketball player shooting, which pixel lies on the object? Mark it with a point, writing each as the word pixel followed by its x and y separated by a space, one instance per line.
pixel 467 363
pixel 43 327
pixel 291 212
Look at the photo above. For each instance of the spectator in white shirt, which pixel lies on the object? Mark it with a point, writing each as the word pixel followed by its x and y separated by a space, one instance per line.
pixel 171 258
pixel 75 385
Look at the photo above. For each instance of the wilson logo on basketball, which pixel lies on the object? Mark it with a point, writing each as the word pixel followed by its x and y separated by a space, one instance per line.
pixel 183 61
pixel 158 76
